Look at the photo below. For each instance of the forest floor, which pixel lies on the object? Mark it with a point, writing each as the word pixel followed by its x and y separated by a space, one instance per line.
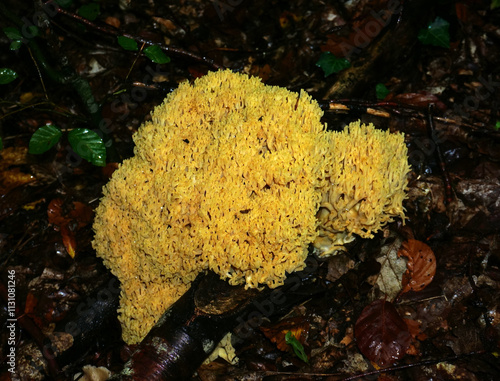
pixel 428 69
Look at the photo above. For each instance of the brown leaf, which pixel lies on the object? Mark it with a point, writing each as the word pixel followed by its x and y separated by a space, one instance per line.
pixel 381 334
pixel 298 326
pixel 11 175
pixel 421 266
pixel 80 213
pixel 422 99
pixel 54 212
pixel 31 302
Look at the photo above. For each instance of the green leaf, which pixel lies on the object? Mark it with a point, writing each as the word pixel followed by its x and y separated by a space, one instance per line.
pixel 15 36
pixel 64 3
pixel 331 64
pixel 89 11
pixel 14 45
pixel 155 54
pixel 436 34
pixel 381 90
pixel 44 139
pixel 495 4
pixel 7 75
pixel 127 43
pixel 89 145
pixel 297 347
pixel 497 125
pixel 13 33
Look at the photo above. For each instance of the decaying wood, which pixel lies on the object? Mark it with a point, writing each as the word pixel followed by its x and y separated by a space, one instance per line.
pixel 192 327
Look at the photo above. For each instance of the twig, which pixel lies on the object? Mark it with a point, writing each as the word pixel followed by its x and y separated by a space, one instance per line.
pixel 39 75
pixel 107 29
pixel 446 177
pixel 385 109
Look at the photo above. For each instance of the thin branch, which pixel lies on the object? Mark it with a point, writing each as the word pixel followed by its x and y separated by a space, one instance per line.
pixel 109 30
pixel 446 177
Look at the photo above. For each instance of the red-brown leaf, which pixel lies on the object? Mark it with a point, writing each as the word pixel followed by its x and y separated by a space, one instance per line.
pixel 54 212
pixel 298 326
pixel 419 100
pixel 381 334
pixel 421 266
pixel 80 213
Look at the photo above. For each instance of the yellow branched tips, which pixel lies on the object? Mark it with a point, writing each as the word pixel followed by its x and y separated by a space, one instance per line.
pixel 367 186
pixel 224 177
pixel 230 175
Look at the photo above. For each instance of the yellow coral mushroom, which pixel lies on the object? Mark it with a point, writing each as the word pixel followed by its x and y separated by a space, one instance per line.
pixel 229 176
pixel 367 186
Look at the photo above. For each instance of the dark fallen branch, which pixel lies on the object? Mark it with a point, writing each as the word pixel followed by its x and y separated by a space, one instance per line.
pixel 89 322
pixel 190 329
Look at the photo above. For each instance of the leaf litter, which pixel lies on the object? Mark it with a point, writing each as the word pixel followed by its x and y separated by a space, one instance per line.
pixel 452 320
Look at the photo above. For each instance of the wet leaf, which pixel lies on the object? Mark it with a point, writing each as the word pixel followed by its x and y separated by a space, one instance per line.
pixel 81 214
pixel 69 241
pixel 31 303
pixel 64 3
pixel 421 266
pixel 392 268
pixel 422 99
pixel 297 326
pixel 330 64
pixel 381 90
pixel 44 139
pixel 381 334
pixel 11 176
pixel 7 75
pixel 127 43
pixel 88 145
pixel 155 54
pixel 13 33
pixel 15 36
pixel 436 34
pixel 89 11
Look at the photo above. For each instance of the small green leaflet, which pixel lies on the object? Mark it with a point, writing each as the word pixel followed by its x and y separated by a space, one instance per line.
pixel 381 90
pixel 497 125
pixel 13 33
pixel 436 34
pixel 89 11
pixel 331 64
pixel 15 36
pixel 297 347
pixel 495 4
pixel 7 75
pixel 155 54
pixel 64 3
pixel 89 145
pixel 44 139
pixel 127 43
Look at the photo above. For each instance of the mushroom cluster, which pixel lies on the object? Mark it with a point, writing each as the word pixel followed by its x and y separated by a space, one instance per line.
pixel 238 177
